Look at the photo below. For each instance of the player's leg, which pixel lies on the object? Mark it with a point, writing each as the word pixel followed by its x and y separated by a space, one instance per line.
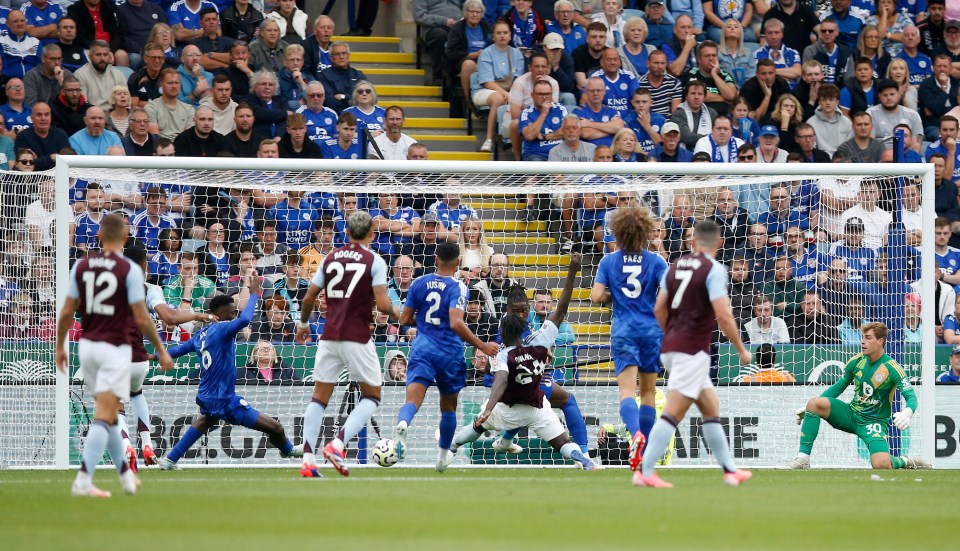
pixel 129 454
pixel 326 367
pixel 416 390
pixel 819 408
pixel 200 426
pixel 545 423
pixel 451 379
pixel 567 402
pixel 364 368
pixel 649 368
pixel 138 372
pixel 709 405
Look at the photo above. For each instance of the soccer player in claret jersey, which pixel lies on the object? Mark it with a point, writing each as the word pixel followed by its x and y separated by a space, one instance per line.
pixel 215 347
pixel 876 378
pixel 107 290
pixel 630 278
pixel 692 301
pixel 516 399
pixel 157 307
pixel 355 279
pixel 436 303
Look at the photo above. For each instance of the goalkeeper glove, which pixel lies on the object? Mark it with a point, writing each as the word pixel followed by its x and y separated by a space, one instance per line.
pixel 799 414
pixel 901 419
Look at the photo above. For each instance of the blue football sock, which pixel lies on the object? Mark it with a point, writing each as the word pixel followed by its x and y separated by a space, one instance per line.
pixel 648 416
pixel 186 441
pixel 359 418
pixel 630 413
pixel 285 448
pixel 717 440
pixel 448 426
pixel 93 447
pixel 312 420
pixel 659 439
pixel 407 412
pixel 510 434
pixel 578 429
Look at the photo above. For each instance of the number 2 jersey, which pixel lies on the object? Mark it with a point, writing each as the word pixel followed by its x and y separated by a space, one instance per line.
pixel 432 296
pixel 105 284
pixel 875 386
pixel 349 274
pixel 634 282
pixel 525 365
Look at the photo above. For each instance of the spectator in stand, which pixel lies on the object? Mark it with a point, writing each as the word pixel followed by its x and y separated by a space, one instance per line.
pixel 946 191
pixel 799 21
pixel 239 70
pixel 69 108
pixel 43 81
pixel 42 20
pixel 201 140
pixel 139 142
pixel 951 375
pixel 86 226
pixel 269 110
pixel 147 224
pixel 42 138
pixel 586 57
pixel 785 58
pixel 15 112
pixel 425 242
pixel 436 19
pixel 317 45
pixel 98 20
pixel 874 219
pixel 693 117
pixel 465 40
pixel 403 275
pixel 859 93
pixel 497 284
pixel 951 329
pixel 764 90
pixel 784 291
pixel 452 212
pixel 395 366
pixel 138 18
pixel 497 67
pixel 744 127
pixel 888 113
pixel 540 123
pixel 617 96
pixel 767 368
pixel 785 116
pixel 321 121
pixel 274 324
pixel 162 35
pixel 243 141
pixel 720 87
pixel 292 20
pixel 769 150
pixel 733 56
pixel 808 87
pixel 188 290
pixel 899 73
pixel 835 291
pixel 853 319
pixel 339 79
pixel 806 138
pixel 481 323
pixel 295 217
pixel 598 122
pixel 74 55
pixel 324 234
pixel 292 286
pixel 781 216
pixel 742 289
pixel 240 20
pixel 392 143
pixel 758 252
pixel 612 20
pixel 810 323
pixel 717 14
pixel 185 18
pixel 832 128
pixel 804 260
pixel 625 149
pixel 543 305
pixel 265 367
pixel 659 22
pixel 345 145
pixel 194 79
pixel 99 77
pixel 475 253
pixel 670 149
pixel 835 56
pixel 222 104
pixel 521 97
pixel 268 251
pixel 370 116
pixel 528 28
pixel 919 64
pixel 168 115
pixel 679 219
pixel 165 263
pixel 572 34
pixel 94 139
pixel 634 52
pixel 144 84
pixel 293 78
pixel 19 49
pixel 680 46
pixel 571 148
pixel 212 43
pixel 931 29
pixel 731 219
pixel 560 68
pixel 294 143
pixel 23 323
pixel 267 51
pixel 862 148
pixel 766 328
pixel 848 23
pixel 938 94
pixel 664 88
pixel 720 144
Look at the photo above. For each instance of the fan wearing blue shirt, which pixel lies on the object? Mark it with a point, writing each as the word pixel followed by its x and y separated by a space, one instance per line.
pixel 642 103
pixel 619 84
pixel 540 123
pixel 451 211
pixel 149 222
pixel 573 34
pixel 321 120
pixel 296 218
pixel 436 303
pixel 182 15
pixel 215 348
pixel 345 145
pixel 598 122
pixel 39 17
pixel 629 279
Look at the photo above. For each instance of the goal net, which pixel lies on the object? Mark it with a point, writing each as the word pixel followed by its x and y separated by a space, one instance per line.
pixel 813 251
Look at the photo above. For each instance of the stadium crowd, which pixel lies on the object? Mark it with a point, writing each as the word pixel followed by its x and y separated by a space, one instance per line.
pixel 576 81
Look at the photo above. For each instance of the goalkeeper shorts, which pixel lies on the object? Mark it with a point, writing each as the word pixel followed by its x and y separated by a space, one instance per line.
pixel 872 432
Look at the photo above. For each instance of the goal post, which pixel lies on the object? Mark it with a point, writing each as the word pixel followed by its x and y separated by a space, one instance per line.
pixel 500 190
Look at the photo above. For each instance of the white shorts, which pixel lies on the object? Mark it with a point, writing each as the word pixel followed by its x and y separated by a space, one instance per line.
pixel 360 360
pixel 543 421
pixel 105 367
pixel 689 375
pixel 481 96
pixel 138 372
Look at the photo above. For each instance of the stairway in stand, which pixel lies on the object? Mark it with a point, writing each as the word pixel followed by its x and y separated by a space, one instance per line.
pixel 398 82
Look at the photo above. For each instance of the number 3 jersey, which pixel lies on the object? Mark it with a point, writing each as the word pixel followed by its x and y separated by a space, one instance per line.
pixel 432 296
pixel 105 284
pixel 634 282
pixel 525 365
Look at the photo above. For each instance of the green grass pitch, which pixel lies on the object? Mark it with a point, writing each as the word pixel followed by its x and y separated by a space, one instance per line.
pixel 272 509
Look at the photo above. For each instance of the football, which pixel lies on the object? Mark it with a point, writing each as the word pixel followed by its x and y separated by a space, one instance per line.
pixel 385 453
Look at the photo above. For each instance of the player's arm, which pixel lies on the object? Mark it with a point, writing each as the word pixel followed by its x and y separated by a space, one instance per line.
pixel 728 324
pixel 408 316
pixel 306 309
pixel 147 328
pixel 556 317
pixel 463 331
pixel 171 316
pixel 64 322
pixel 837 388
pixel 901 419
pixel 496 392
pixel 661 311
pixel 382 300
pixel 182 349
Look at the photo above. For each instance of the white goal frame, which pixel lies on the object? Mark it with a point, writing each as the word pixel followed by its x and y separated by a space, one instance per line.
pixel 65 163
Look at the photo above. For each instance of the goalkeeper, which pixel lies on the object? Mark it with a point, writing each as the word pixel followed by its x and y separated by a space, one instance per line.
pixel 876 377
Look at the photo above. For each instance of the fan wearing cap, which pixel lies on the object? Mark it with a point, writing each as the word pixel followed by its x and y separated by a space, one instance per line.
pixel 770 151
pixel 951 44
pixel 875 220
pixel 659 22
pixel 951 375
pixel 860 260
pixel 888 113
pixel 670 149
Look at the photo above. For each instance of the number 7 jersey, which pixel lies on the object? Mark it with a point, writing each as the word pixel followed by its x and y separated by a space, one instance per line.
pixel 525 365
pixel 692 283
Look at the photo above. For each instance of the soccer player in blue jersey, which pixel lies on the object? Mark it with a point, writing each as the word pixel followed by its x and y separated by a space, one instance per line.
pixel 214 346
pixel 629 279
pixel 345 145
pixel 436 303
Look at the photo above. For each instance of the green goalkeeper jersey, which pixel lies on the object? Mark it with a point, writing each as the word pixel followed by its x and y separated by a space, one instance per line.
pixel 875 386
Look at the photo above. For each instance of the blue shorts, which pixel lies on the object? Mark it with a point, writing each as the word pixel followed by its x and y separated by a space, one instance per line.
pixel 447 371
pixel 643 352
pixel 234 410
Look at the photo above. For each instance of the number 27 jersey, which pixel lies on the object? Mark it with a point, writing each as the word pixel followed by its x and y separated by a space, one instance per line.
pixel 525 365
pixel 432 296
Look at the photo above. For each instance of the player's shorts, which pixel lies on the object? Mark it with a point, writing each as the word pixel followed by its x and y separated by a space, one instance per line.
pixel 138 372
pixel 448 371
pixel 542 421
pixel 689 374
pixel 643 352
pixel 872 432
pixel 234 410
pixel 105 367
pixel 360 359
